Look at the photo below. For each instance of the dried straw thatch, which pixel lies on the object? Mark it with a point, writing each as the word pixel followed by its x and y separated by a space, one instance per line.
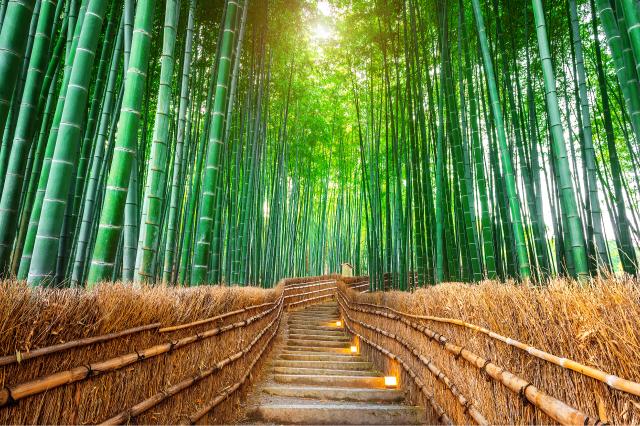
pixel 594 324
pixel 37 318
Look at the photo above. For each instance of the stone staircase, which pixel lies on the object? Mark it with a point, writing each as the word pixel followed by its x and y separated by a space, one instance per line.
pixel 315 379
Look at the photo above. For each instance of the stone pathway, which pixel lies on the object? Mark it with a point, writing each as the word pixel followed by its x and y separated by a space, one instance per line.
pixel 315 379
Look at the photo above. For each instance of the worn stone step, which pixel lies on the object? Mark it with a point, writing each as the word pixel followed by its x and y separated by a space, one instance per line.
pixel 318 356
pixel 326 314
pixel 311 322
pixel 319 343
pixel 346 414
pixel 343 350
pixel 321 371
pixel 315 319
pixel 318 337
pixel 314 310
pixel 376 382
pixel 329 365
pixel 316 327
pixel 337 394
pixel 318 332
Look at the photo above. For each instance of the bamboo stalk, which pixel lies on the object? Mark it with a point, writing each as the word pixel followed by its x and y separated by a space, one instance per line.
pixel 19 357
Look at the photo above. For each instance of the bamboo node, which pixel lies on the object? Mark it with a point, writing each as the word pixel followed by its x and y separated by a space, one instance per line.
pixel 457 356
pixel 483 369
pixel 523 394
pixel 9 400
pixel 90 371
pixel 140 355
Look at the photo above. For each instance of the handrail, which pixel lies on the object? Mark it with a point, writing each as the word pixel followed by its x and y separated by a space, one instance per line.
pixel 442 416
pixel 48 350
pixel 610 380
pixel 228 391
pixel 311 284
pixel 216 318
pixel 126 415
pixel 554 408
pixel 9 394
pixel 465 402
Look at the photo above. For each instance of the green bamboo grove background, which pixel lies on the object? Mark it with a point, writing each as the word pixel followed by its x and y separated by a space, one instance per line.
pixel 240 141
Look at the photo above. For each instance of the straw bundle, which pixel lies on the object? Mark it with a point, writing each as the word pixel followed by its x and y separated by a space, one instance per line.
pixel 38 318
pixel 593 324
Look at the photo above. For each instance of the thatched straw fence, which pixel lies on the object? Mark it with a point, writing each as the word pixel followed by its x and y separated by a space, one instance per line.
pixel 120 354
pixel 507 354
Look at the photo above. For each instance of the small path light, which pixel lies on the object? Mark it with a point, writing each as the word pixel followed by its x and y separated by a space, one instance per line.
pixel 338 323
pixel 354 349
pixel 391 381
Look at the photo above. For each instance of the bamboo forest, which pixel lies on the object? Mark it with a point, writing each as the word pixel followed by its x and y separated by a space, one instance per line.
pixel 247 141
pixel 320 212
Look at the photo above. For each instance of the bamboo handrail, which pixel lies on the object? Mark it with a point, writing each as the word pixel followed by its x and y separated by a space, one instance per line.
pixel 310 300
pixel 315 281
pixel 15 393
pixel 126 415
pixel 309 292
pixel 442 416
pixel 468 406
pixel 228 391
pixel 554 408
pixel 610 380
pixel 216 318
pixel 48 350
pixel 311 284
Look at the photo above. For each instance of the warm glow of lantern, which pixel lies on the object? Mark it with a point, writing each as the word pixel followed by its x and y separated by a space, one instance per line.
pixel 354 349
pixel 338 323
pixel 391 381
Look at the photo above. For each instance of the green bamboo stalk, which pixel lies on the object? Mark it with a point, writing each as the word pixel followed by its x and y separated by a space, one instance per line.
pixel 202 252
pixel 67 145
pixel 154 197
pixel 567 192
pixel 111 220
pixel 25 129
pixel 510 184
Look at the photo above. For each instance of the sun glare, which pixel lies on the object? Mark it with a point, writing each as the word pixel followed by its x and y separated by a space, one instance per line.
pixel 324 8
pixel 321 32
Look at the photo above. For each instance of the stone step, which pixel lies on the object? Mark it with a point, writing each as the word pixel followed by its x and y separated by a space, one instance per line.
pixel 336 381
pixel 343 350
pixel 319 356
pixel 321 371
pixel 336 394
pixel 318 337
pixel 314 310
pixel 316 327
pixel 329 315
pixel 329 365
pixel 312 323
pixel 318 332
pixel 346 414
pixel 319 343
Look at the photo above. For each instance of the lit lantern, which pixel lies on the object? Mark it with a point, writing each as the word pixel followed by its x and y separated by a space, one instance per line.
pixel 391 381
pixel 338 323
pixel 354 349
